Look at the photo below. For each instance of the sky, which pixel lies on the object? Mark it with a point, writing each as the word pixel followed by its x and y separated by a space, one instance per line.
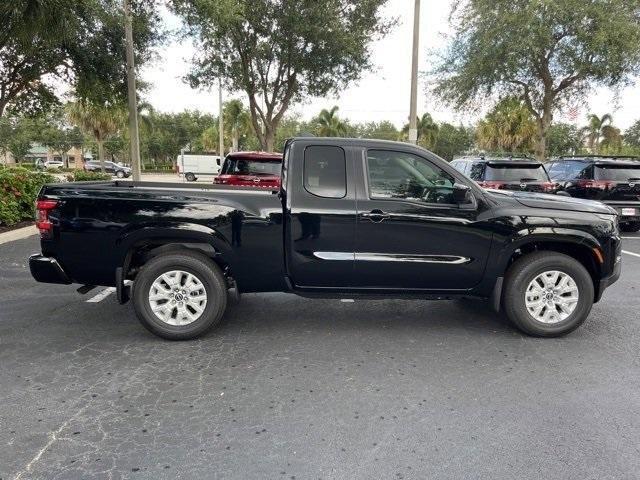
pixel 382 94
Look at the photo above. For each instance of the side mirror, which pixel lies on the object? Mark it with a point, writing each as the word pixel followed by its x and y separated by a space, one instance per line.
pixel 461 193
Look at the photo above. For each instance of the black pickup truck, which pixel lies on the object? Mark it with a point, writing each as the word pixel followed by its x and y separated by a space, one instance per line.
pixel 352 218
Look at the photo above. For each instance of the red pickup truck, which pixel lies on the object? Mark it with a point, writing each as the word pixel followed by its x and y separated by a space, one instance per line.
pixel 252 169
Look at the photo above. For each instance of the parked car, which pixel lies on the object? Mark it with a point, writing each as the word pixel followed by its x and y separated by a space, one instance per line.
pixel 113 168
pixel 53 164
pixel 252 169
pixel 352 217
pixel 193 165
pixel 609 179
pixel 507 173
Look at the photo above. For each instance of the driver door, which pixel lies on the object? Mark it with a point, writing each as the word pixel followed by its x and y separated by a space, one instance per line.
pixel 410 233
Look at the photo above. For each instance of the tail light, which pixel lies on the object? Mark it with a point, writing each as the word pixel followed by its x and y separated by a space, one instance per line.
pixel 492 184
pixel 597 184
pixel 549 186
pixel 42 216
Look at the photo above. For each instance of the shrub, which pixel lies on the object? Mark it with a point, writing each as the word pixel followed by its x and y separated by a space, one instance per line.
pixel 83 176
pixel 19 188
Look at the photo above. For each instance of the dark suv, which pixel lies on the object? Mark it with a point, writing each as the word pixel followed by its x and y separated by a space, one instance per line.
pixel 506 173
pixel 113 168
pixel 609 179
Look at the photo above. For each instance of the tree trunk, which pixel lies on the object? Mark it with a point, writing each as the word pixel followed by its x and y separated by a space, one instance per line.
pixel 101 155
pixel 269 138
pixel 234 141
pixel 543 123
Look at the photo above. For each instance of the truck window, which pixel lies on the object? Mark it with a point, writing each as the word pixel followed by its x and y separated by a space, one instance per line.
pixel 407 176
pixel 325 171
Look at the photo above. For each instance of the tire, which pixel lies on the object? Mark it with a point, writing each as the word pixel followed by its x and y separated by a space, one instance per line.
pixel 523 273
pixel 120 174
pixel 210 280
pixel 190 177
pixel 630 227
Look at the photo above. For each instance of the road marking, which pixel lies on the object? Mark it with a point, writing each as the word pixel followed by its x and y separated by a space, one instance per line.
pixel 631 253
pixel 630 238
pixel 102 295
pixel 347 300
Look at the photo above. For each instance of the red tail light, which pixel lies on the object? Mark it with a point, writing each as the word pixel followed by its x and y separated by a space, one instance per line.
pixel 42 216
pixel 492 184
pixel 549 186
pixel 598 184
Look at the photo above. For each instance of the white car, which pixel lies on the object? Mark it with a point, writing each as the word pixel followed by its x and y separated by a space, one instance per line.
pixel 53 164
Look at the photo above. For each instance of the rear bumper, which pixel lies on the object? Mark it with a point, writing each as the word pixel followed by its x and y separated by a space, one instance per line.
pixel 624 210
pixel 47 270
pixel 610 280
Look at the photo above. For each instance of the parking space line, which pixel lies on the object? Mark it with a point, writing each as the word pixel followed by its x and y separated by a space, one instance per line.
pixel 630 238
pixel 102 295
pixel 631 253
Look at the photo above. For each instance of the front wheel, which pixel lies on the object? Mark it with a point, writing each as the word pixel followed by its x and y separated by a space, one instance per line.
pixel 190 177
pixel 630 227
pixel 180 296
pixel 120 174
pixel 547 294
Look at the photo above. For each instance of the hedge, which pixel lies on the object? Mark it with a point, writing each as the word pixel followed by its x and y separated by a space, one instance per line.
pixel 82 176
pixel 19 188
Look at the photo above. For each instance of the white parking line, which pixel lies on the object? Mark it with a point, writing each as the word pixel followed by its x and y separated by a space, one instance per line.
pixel 102 295
pixel 630 238
pixel 631 253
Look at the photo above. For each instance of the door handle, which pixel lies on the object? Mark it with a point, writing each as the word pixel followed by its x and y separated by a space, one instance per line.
pixel 376 215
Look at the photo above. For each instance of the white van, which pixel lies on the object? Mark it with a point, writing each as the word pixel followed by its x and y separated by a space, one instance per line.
pixel 194 165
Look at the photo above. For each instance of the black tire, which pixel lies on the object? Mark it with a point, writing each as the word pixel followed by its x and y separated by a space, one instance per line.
pixel 630 227
pixel 524 271
pixel 197 264
pixel 190 177
pixel 120 174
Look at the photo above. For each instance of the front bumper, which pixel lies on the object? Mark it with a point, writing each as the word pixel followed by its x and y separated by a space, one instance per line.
pixel 610 280
pixel 47 270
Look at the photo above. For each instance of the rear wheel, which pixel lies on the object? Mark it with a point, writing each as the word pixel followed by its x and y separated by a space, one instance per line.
pixel 179 296
pixel 630 227
pixel 547 294
pixel 120 174
pixel 190 177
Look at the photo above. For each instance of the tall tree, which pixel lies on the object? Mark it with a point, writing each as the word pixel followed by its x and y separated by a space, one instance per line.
pixel 509 127
pixel 328 124
pixel 599 129
pixel 452 141
pixel 237 122
pixel 97 120
pixel 632 135
pixel 280 51
pixel 563 139
pixel 427 131
pixel 545 52
pixel 80 42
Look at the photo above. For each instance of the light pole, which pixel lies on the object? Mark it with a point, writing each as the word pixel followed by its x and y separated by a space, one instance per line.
pixel 220 121
pixel 133 102
pixel 413 107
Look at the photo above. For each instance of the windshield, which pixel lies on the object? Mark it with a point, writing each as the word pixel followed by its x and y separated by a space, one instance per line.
pixel 240 166
pixel 617 173
pixel 516 173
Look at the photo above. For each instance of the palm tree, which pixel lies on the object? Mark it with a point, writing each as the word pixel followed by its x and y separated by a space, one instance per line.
pixel 509 127
pixel 329 125
pixel 599 128
pixel 99 121
pixel 427 131
pixel 236 121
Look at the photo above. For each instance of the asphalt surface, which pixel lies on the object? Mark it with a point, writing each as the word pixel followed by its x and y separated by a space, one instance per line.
pixel 308 389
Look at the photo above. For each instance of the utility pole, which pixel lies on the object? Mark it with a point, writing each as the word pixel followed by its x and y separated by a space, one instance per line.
pixel 220 121
pixel 413 107
pixel 133 101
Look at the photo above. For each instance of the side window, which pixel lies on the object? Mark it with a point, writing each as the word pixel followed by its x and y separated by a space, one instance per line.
pixel 325 171
pixel 477 171
pixel 406 176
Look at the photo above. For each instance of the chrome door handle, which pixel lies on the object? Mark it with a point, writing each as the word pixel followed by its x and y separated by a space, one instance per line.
pixel 376 215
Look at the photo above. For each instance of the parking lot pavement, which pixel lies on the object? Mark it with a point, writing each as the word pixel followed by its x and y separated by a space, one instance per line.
pixel 294 388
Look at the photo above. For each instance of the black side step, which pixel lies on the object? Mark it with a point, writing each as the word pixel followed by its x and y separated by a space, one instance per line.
pixel 85 289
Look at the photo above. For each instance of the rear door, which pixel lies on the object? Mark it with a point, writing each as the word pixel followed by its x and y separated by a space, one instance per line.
pixel 320 215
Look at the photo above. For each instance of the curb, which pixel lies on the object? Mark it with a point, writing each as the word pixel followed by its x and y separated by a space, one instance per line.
pixel 18 234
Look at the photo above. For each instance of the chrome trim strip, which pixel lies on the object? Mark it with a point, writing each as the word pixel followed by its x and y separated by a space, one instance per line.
pixel 335 255
pixel 391 257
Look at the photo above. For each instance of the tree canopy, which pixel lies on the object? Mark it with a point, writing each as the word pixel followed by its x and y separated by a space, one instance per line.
pixel 279 52
pixel 545 52
pixel 78 41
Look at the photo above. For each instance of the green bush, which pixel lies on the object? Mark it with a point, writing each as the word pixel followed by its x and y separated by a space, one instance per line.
pixel 82 176
pixel 19 188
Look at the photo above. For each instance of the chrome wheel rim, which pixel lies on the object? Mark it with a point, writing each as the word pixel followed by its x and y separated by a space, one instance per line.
pixel 177 298
pixel 551 297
